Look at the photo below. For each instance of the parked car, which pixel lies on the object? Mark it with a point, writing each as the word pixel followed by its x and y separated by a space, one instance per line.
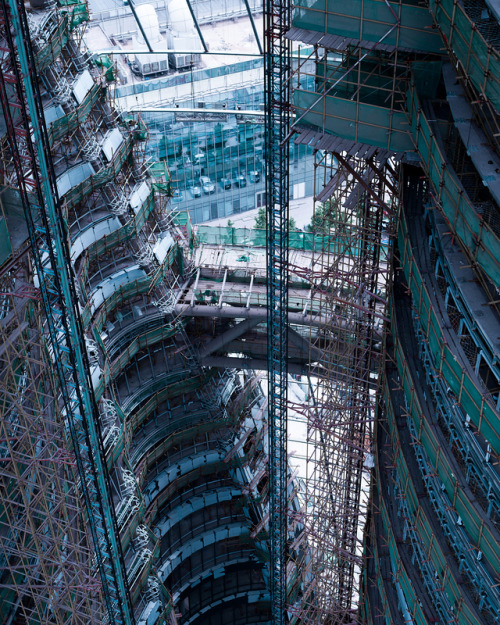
pixel 225 183
pixel 207 185
pixel 254 176
pixel 199 157
pixel 194 189
pixel 177 196
pixel 240 181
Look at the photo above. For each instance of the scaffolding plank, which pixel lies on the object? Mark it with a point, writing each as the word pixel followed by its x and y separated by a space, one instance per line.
pixel 330 187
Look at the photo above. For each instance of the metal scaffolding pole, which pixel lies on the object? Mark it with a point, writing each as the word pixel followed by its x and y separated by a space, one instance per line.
pixel 277 81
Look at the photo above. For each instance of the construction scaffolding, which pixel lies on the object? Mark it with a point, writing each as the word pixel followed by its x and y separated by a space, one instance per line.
pixel 142 482
pixel 350 282
pixel 129 397
pixel 48 569
pixel 29 145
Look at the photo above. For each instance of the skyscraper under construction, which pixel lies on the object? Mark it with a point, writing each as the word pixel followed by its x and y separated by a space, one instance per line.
pixel 143 462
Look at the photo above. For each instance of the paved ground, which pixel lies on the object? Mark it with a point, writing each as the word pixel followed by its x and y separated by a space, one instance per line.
pixel 301 210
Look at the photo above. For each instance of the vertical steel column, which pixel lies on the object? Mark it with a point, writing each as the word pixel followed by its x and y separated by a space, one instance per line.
pixel 28 141
pixel 277 93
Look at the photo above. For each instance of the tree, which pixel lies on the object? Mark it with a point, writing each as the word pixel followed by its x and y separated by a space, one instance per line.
pixel 229 223
pixel 261 221
pixel 323 218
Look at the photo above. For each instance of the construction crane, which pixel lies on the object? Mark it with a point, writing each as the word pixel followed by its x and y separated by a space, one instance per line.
pixel 29 144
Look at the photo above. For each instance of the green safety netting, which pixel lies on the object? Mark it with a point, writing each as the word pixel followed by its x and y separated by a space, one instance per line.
pixel 51 51
pixel 77 10
pixel 479 57
pixel 466 222
pixel 161 177
pixel 371 20
pixel 429 439
pixel 141 132
pixel 224 235
pixel 182 219
pixel 461 383
pixel 426 532
pixel 136 123
pixel 72 120
pixel 106 64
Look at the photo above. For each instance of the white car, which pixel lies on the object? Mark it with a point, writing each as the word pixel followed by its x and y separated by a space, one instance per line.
pixel 194 189
pixel 207 185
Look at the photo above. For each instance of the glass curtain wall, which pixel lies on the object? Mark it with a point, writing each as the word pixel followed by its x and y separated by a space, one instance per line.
pixel 200 95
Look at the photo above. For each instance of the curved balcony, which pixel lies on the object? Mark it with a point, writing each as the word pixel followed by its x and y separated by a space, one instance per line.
pixel 122 283
pixel 458 375
pixel 221 583
pixel 140 342
pixel 162 393
pixel 208 464
pixel 233 609
pixel 451 496
pixel 160 366
pixel 126 291
pixel 56 32
pixel 161 438
pixel 69 122
pixel 199 520
pixel 148 323
pixel 429 557
pixel 409 602
pixel 189 464
pixel 95 233
pixel 476 236
pixel 418 541
pixel 474 42
pixel 77 183
pixel 478 321
pixel 188 549
pixel 195 504
pixel 469 324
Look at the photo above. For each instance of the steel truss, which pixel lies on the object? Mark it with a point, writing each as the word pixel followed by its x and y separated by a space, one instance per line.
pixel 30 147
pixel 277 94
